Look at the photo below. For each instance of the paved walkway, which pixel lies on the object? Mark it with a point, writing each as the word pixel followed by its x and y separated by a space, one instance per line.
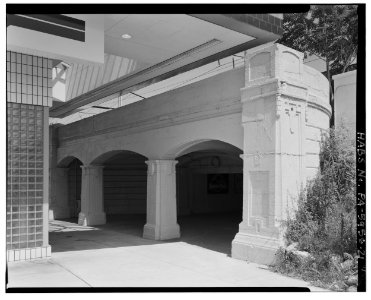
pixel 107 256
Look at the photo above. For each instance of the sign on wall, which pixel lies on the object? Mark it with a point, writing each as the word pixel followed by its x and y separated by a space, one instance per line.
pixel 217 184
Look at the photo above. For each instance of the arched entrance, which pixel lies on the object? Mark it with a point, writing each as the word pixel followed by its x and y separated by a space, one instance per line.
pixel 105 200
pixel 209 194
pixel 65 192
pixel 65 205
pixel 124 189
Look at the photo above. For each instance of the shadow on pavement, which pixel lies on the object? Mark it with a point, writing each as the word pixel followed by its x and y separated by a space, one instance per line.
pixel 214 232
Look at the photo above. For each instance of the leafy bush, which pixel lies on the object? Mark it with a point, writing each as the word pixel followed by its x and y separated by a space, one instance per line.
pixel 322 269
pixel 324 223
pixel 326 215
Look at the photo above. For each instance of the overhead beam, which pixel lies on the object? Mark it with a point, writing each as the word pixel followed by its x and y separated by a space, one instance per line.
pixel 58 25
pixel 132 82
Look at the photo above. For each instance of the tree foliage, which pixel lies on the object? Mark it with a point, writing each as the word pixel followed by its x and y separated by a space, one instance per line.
pixel 328 31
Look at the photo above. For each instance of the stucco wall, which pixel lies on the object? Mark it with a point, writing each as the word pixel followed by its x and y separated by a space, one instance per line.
pixel 345 87
pixel 317 118
pixel 161 126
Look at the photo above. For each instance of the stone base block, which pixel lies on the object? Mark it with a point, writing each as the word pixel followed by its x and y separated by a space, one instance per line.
pixel 28 253
pixel 92 219
pixel 154 232
pixel 59 213
pixel 51 215
pixel 254 248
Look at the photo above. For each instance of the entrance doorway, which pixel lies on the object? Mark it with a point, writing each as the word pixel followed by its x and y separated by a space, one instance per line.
pixel 125 191
pixel 209 195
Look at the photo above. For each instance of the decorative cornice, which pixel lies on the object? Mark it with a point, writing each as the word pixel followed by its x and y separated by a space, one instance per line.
pixel 253 154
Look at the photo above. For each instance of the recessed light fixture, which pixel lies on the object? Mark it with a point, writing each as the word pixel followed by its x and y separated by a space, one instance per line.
pixel 126 36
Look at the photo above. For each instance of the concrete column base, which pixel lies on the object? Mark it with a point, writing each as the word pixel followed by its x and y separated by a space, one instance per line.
pixel 154 232
pixel 56 213
pixel 92 219
pixel 51 215
pixel 28 253
pixel 254 248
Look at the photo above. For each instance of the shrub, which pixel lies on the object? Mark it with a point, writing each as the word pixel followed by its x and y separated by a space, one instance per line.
pixel 323 269
pixel 325 220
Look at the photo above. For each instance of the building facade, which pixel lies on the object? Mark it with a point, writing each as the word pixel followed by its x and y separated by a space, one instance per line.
pixel 263 121
pixel 249 135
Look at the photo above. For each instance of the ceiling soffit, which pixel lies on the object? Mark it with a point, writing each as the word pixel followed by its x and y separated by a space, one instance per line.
pixel 206 52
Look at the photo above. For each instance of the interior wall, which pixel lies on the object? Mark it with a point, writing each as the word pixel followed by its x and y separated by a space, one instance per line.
pixel 125 184
pixel 195 191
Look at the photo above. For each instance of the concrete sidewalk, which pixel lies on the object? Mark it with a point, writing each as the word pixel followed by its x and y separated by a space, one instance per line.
pixel 104 258
pixel 162 265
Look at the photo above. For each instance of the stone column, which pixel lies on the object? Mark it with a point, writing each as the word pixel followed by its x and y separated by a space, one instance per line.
pixel 92 212
pixel 59 202
pixel 274 103
pixel 161 201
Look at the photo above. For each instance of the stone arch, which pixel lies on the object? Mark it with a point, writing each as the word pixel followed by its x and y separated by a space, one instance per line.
pixel 65 161
pixel 199 155
pixel 123 182
pixel 101 158
pixel 203 144
pixel 209 178
pixel 65 188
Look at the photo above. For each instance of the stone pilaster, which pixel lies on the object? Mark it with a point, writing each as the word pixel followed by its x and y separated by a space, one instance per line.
pixel 274 102
pixel 59 202
pixel 92 212
pixel 161 201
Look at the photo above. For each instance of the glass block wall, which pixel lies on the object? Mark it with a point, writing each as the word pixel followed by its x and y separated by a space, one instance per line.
pixel 24 176
pixel 29 79
pixel 28 94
